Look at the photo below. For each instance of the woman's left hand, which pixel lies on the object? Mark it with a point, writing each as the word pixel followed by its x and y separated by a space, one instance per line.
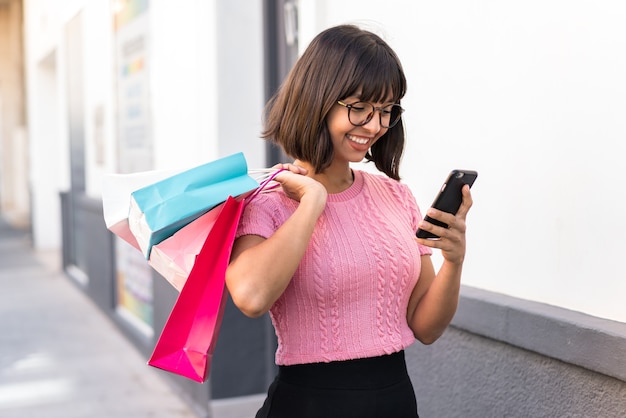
pixel 452 239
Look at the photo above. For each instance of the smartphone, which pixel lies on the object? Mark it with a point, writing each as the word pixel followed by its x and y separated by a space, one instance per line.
pixel 449 198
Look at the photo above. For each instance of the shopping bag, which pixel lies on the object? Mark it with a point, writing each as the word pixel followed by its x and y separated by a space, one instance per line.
pixel 188 339
pixel 116 191
pixel 159 210
pixel 174 257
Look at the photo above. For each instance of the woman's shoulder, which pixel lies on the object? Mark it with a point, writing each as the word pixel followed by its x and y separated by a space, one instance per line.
pixel 265 213
pixel 269 199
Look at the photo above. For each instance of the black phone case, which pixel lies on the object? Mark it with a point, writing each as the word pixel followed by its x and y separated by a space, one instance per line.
pixel 449 198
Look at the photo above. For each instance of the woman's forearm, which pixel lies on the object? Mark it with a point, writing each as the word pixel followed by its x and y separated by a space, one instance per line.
pixel 437 307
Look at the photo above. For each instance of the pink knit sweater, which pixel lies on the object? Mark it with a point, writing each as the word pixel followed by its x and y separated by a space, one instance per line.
pixel 348 298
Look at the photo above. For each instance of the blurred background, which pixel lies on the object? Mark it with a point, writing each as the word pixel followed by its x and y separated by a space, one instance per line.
pixel 530 94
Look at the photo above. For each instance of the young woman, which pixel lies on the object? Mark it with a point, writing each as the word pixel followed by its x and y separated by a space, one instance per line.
pixel 332 254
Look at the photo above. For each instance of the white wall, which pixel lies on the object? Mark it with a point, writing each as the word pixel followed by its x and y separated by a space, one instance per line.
pixel 240 74
pixel 183 82
pixel 532 95
pixel 100 99
pixel 206 92
pixel 47 115
pixel 206 70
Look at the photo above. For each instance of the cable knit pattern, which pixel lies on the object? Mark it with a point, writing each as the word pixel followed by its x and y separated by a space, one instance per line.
pixel 319 285
pixel 403 196
pixel 349 296
pixel 376 236
pixel 334 297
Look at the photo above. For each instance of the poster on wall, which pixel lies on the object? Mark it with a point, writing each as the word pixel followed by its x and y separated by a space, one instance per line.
pixel 134 287
pixel 134 150
pixel 135 145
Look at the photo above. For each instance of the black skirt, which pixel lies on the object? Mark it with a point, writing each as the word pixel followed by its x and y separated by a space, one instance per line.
pixel 377 387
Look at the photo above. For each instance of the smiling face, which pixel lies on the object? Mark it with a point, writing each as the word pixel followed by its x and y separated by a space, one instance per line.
pixel 351 143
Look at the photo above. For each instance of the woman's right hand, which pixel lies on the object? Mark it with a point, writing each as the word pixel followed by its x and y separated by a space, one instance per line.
pixel 298 186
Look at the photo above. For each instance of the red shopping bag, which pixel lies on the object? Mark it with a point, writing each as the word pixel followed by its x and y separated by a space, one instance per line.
pixel 188 339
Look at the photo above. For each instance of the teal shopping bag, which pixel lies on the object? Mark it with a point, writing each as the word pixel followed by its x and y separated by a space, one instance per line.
pixel 159 210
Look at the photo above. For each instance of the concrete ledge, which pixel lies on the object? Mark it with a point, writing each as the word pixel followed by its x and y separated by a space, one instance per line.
pixel 572 337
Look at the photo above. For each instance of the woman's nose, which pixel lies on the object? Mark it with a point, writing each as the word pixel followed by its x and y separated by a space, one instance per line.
pixel 374 125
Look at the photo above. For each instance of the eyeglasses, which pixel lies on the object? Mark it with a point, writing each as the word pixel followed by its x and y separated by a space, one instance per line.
pixel 360 113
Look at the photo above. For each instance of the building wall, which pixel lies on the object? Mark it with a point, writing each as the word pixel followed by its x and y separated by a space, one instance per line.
pixel 468 375
pixel 528 94
pixel 48 127
pixel 193 117
pixel 531 95
pixel 505 356
pixel 535 111
pixel 14 185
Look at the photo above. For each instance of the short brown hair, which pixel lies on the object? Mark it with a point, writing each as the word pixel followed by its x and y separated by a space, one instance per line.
pixel 339 62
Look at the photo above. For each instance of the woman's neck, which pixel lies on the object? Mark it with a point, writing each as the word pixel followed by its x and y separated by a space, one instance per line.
pixel 335 178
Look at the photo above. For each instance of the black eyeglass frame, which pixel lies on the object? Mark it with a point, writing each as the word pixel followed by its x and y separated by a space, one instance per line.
pixel 369 117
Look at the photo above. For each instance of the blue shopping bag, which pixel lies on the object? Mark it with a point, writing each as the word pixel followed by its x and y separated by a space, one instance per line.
pixel 159 210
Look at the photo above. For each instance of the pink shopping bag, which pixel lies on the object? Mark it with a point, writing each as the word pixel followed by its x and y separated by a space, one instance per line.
pixel 188 339
pixel 174 257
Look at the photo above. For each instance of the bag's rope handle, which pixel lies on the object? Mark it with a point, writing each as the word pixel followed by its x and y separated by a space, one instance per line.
pixel 263 186
pixel 261 172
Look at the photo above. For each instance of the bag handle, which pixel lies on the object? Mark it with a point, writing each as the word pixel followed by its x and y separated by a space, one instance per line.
pixel 264 186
